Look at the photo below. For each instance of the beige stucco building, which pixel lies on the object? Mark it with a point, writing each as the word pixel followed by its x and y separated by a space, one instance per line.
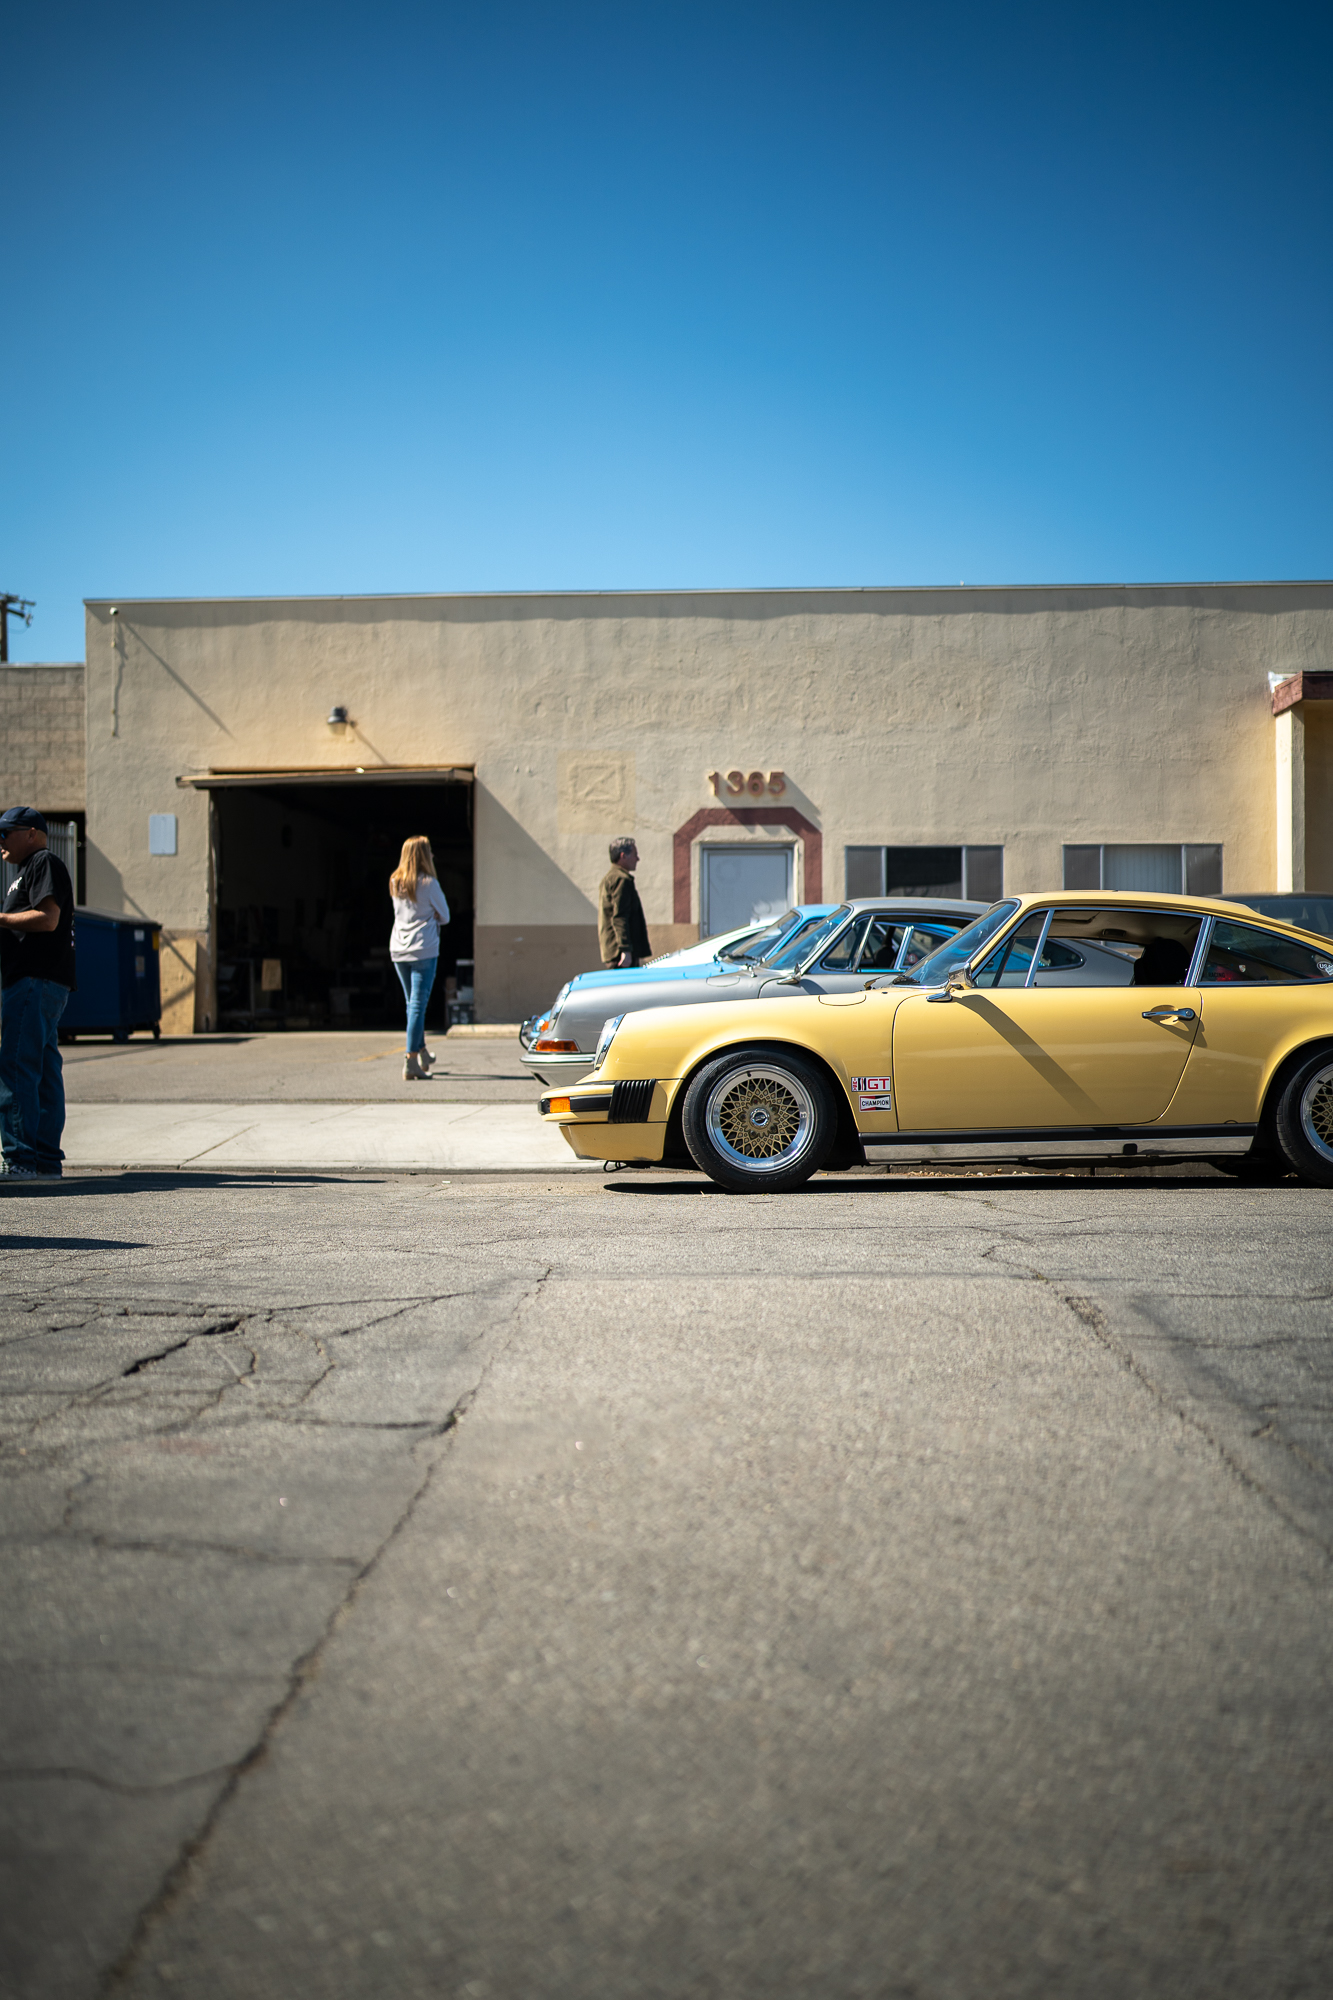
pixel 759 744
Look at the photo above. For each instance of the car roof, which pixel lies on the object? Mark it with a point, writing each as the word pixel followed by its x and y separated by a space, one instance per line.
pixel 1145 899
pixel 907 906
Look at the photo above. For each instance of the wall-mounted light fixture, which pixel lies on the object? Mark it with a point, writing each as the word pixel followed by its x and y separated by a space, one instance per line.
pixel 338 717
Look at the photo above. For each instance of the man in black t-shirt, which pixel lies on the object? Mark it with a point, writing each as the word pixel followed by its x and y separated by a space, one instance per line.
pixel 36 979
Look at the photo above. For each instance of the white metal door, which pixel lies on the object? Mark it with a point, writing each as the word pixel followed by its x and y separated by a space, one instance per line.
pixel 743 885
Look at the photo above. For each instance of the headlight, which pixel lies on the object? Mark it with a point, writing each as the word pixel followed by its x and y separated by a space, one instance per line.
pixel 605 1039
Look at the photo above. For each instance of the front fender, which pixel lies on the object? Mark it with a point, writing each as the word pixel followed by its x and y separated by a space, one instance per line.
pixel 670 1044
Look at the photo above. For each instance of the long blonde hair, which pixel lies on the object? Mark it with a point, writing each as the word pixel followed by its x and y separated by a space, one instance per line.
pixel 415 861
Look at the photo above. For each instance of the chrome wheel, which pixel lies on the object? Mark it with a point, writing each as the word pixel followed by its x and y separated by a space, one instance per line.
pixel 760 1118
pixel 1316 1112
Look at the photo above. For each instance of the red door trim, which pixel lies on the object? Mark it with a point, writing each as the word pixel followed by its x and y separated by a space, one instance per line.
pixel 743 816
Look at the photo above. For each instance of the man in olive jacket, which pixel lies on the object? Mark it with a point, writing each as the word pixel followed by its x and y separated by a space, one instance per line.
pixel 621 930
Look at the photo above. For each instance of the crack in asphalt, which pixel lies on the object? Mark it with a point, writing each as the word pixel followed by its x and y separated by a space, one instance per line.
pixel 76 1774
pixel 1096 1320
pixel 304 1669
pixel 179 1546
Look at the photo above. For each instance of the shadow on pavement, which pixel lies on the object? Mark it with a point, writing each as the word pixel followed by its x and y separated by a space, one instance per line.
pixel 71 1186
pixel 958 1183
pixel 70 1243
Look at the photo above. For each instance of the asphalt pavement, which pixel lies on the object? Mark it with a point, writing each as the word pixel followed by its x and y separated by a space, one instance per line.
pixel 601 1585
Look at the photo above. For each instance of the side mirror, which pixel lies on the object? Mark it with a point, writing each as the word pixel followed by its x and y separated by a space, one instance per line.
pixel 957 985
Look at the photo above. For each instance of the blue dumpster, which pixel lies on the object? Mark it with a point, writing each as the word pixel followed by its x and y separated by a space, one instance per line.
pixel 118 970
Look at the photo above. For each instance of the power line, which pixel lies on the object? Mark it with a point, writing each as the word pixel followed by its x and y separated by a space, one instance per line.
pixel 12 607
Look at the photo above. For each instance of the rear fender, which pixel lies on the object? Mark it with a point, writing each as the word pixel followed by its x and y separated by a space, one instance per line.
pixel 1265 1138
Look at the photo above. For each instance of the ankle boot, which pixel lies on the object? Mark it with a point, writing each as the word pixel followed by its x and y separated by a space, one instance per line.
pixel 413 1069
pixel 426 1059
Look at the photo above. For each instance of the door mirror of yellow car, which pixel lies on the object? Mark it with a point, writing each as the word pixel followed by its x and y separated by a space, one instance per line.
pixel 959 983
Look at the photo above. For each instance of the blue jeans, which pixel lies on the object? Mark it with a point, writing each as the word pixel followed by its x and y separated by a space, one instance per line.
pixel 416 976
pixel 32 1083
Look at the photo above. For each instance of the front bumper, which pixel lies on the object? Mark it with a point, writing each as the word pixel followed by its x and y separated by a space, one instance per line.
pixel 622 1120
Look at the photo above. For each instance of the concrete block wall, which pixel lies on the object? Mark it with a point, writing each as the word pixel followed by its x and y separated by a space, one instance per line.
pixel 43 759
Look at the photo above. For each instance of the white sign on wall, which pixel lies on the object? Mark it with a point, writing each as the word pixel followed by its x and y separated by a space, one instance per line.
pixel 161 833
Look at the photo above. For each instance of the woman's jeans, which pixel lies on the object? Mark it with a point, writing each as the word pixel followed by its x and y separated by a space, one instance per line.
pixel 32 1084
pixel 416 977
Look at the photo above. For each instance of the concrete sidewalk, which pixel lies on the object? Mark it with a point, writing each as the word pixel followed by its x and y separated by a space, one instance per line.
pixel 458 1138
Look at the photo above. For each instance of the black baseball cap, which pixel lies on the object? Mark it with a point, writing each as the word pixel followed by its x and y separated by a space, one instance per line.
pixel 22 816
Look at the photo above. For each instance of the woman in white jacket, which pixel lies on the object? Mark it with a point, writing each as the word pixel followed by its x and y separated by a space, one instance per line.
pixel 419 911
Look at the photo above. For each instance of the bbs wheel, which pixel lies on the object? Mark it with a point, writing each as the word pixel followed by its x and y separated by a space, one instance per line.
pixel 1305 1119
pixel 759 1120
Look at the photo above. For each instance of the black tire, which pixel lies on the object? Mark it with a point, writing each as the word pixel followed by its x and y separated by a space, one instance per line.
pixel 760 1120
pixel 1304 1119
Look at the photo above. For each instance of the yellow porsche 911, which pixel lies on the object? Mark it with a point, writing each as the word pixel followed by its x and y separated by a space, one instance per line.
pixel 1070 1027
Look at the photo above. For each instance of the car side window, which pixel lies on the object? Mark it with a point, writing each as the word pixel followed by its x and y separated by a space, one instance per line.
pixel 921 940
pixel 1239 955
pixel 879 953
pixel 842 954
pixel 1009 962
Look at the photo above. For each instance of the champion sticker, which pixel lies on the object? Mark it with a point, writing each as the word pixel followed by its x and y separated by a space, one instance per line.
pixel 880 1102
pixel 875 1083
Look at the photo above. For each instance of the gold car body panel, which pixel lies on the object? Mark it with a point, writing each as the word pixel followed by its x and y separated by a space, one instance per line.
pixel 852 1032
pixel 1038 1056
pixel 597 1139
pixel 1245 1034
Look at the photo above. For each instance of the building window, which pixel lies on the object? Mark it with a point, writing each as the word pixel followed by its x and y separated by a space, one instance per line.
pixel 1175 870
pixel 974 872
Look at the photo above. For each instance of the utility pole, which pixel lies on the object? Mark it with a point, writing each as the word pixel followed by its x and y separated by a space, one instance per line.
pixel 12 607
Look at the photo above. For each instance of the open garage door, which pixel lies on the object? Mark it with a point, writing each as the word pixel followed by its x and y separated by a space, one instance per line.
pixel 301 909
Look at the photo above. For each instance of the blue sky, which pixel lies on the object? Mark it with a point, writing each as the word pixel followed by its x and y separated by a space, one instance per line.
pixel 510 297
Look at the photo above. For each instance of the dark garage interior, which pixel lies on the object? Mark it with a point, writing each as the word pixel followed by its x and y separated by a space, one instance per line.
pixel 303 907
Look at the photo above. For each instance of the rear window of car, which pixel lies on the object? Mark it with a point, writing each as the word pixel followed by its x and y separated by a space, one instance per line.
pixel 1242 955
pixel 1308 913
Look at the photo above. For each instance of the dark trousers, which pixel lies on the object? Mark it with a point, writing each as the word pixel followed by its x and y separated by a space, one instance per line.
pixel 32 1082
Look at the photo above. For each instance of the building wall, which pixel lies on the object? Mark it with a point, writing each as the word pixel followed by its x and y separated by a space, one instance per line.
pixel 1026 718
pixel 1318 730
pixel 42 759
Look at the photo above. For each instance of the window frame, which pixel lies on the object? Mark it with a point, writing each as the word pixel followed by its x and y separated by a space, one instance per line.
pixel 1184 847
pixel 1193 974
pixel 1245 986
pixel 883 848
pixel 1005 944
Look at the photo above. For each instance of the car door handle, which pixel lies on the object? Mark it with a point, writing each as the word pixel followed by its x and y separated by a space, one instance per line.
pixel 1169 1014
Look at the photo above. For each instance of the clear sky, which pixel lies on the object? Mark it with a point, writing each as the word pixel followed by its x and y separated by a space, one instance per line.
pixel 508 297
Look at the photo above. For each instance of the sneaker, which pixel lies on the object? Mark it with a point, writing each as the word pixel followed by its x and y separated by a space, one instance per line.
pixel 13 1173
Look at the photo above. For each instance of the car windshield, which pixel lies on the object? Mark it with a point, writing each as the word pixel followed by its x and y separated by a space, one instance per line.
pixel 935 969
pixel 762 942
pixel 809 939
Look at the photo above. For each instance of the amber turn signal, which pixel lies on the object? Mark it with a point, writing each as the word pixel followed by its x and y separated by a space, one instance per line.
pixel 557 1104
pixel 545 1048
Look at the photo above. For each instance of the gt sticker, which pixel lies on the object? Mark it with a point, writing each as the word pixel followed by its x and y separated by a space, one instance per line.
pixel 875 1083
pixel 880 1102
